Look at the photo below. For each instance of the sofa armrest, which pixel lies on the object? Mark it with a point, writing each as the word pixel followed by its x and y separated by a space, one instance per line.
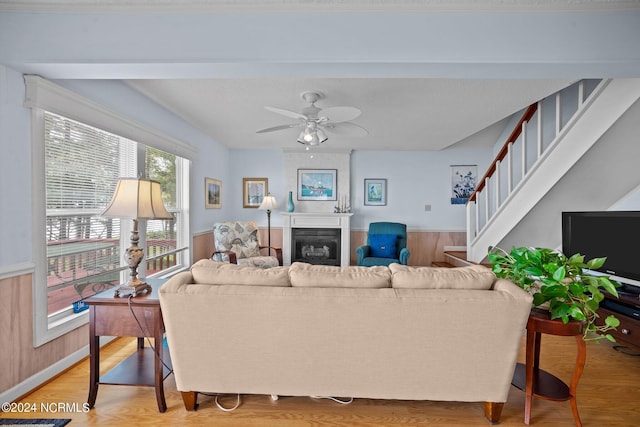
pixel 404 256
pixel 362 252
pixel 507 286
pixel 176 281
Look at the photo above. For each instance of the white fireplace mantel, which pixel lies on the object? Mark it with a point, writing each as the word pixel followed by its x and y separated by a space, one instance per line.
pixel 317 220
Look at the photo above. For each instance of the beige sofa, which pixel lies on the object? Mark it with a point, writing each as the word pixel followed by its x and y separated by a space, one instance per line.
pixel 397 332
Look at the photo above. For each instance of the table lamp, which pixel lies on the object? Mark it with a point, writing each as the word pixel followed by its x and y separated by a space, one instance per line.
pixel 268 203
pixel 136 198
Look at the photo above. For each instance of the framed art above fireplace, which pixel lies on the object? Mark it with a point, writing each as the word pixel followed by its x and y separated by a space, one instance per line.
pixel 317 184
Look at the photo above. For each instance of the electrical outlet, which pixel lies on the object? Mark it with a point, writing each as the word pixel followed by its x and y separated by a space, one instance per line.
pixel 427 208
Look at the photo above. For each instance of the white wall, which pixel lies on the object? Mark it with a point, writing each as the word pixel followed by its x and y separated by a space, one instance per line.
pixel 414 179
pixel 252 164
pixel 407 42
pixel 15 170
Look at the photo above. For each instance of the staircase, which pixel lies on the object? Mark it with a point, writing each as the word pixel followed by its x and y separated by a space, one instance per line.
pixel 576 150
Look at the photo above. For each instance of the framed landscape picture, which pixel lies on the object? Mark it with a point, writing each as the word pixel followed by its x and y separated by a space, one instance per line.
pixel 317 184
pixel 375 191
pixel 253 191
pixel 212 193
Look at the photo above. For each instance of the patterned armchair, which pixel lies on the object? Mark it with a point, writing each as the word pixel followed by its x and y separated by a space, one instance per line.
pixel 386 244
pixel 237 242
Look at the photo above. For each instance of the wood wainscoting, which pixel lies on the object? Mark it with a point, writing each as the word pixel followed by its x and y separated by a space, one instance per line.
pixel 426 247
pixel 19 359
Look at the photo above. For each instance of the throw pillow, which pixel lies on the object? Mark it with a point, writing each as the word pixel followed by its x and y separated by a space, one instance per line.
pixel 383 245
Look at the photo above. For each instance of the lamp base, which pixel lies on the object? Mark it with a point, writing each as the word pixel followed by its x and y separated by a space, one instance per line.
pixel 133 290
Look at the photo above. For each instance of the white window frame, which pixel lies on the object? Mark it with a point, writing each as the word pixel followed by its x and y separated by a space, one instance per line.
pixel 43 95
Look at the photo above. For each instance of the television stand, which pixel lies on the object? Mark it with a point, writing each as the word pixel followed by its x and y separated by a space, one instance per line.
pixel 627 309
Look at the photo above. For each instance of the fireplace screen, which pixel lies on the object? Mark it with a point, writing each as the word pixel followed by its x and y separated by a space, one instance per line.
pixel 316 245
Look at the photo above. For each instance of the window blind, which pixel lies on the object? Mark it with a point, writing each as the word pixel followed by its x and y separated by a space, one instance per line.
pixel 82 167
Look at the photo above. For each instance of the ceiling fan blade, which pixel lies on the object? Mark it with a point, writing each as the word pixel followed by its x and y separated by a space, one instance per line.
pixel 346 129
pixel 287 113
pixel 338 114
pixel 281 127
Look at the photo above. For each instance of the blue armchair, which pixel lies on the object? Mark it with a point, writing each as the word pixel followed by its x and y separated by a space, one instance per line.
pixel 386 244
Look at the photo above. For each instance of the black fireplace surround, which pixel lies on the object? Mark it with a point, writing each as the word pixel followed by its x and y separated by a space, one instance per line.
pixel 316 245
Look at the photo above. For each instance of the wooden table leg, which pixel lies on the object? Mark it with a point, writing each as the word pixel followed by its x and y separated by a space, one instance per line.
pixel 159 369
pixel 577 373
pixel 532 356
pixel 94 360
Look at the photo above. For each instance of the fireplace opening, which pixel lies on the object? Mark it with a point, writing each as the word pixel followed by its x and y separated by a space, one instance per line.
pixel 316 245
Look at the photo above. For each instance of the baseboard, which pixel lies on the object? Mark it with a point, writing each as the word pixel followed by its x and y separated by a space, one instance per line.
pixel 36 380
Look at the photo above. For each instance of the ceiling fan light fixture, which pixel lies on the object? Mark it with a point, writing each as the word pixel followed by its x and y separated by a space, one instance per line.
pixel 321 135
pixel 312 135
pixel 315 120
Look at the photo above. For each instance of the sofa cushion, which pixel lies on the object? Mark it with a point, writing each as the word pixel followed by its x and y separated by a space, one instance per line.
pixel 211 272
pixel 326 276
pixel 382 245
pixel 474 277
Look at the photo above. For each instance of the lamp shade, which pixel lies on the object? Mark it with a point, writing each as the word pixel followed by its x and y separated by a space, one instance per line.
pixel 137 198
pixel 268 203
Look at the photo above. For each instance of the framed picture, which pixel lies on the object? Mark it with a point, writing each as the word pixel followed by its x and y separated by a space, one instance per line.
pixel 212 193
pixel 463 182
pixel 253 191
pixel 317 184
pixel 375 192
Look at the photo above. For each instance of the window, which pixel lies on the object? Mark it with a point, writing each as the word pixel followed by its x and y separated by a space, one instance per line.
pixel 76 168
pixel 84 251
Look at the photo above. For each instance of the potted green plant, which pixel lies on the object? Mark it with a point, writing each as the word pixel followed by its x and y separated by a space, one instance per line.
pixel 560 284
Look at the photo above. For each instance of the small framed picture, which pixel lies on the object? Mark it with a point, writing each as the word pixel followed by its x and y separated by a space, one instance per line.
pixel 317 184
pixel 212 193
pixel 253 191
pixel 463 182
pixel 375 191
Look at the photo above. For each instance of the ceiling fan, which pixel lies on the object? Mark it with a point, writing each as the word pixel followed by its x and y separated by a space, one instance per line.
pixel 314 121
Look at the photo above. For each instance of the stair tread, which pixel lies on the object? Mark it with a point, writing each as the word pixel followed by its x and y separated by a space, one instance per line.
pixel 441 264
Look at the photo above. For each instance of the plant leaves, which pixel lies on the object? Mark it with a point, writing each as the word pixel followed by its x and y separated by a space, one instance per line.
pixel 607 285
pixel 596 263
pixel 612 321
pixel 533 271
pixel 559 310
pixel 539 299
pixel 576 288
pixel 554 290
pixel 576 313
pixel 576 259
pixel 559 274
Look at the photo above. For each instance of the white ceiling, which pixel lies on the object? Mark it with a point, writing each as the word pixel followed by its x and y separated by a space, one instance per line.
pixel 426 74
pixel 399 113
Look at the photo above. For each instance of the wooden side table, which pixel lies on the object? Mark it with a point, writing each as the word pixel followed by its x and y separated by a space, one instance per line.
pixel 536 382
pixel 111 316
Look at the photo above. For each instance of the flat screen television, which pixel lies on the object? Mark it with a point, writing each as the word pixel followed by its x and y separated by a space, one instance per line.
pixel 611 234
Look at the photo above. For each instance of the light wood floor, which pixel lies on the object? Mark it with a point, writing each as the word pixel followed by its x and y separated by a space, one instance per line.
pixel 608 395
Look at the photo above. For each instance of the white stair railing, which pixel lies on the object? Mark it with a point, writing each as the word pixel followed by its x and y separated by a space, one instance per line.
pixel 539 130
